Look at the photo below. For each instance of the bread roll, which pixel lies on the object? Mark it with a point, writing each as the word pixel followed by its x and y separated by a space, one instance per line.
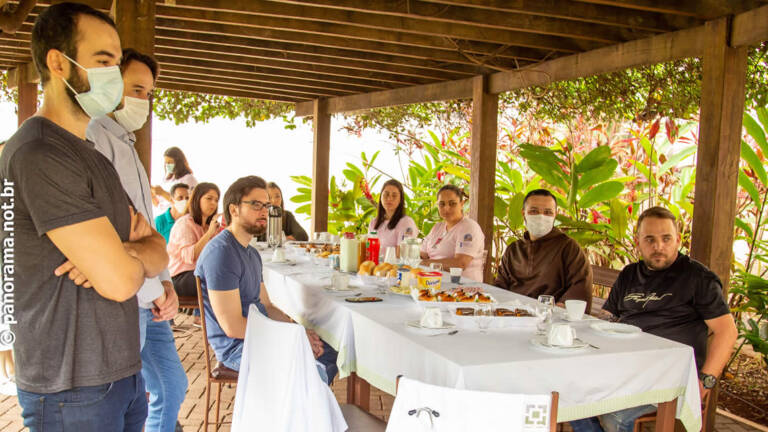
pixel 366 268
pixel 392 272
pixel 382 269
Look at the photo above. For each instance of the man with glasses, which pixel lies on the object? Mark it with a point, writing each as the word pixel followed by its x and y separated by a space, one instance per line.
pixel 231 280
pixel 545 260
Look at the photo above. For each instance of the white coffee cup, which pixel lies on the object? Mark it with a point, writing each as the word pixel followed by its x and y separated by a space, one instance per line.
pixel 340 281
pixel 575 309
pixel 432 318
pixel 561 334
pixel 279 255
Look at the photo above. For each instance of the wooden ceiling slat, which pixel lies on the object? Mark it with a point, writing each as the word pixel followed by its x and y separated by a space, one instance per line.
pixel 391 35
pixel 222 92
pixel 245 80
pixel 702 9
pixel 428 55
pixel 263 77
pixel 750 27
pixel 350 63
pixel 576 11
pixel 253 66
pixel 480 18
pixel 244 56
pixel 371 26
pixel 251 86
pixel 375 59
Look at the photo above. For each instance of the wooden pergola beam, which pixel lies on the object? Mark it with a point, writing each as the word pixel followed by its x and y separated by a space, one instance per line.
pixel 482 186
pixel 578 11
pixel 476 17
pixel 373 26
pixel 135 24
pixel 233 83
pixel 25 79
pixel 372 61
pixel 175 86
pixel 750 27
pixel 321 150
pixel 656 49
pixel 325 72
pixel 461 89
pixel 342 34
pixel 702 9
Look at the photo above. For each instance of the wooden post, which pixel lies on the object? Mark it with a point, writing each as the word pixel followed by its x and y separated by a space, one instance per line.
pixel 722 107
pixel 482 185
pixel 135 21
pixel 27 87
pixel 321 122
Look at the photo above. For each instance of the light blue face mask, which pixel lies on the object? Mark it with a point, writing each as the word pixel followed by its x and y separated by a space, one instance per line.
pixel 105 93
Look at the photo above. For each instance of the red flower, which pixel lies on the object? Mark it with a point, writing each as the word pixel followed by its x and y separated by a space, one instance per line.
pixel 629 208
pixel 440 176
pixel 595 216
pixel 654 129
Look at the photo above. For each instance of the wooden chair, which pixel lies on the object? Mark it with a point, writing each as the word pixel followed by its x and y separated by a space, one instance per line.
pixel 219 375
pixel 550 419
pixel 603 277
pixel 651 417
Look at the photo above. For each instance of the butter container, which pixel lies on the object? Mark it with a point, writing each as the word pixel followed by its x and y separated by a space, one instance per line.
pixel 429 280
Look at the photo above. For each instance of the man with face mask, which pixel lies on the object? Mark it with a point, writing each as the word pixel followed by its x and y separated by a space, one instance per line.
pixel 166 220
pixel 77 347
pixel 112 135
pixel 545 260
pixel 230 272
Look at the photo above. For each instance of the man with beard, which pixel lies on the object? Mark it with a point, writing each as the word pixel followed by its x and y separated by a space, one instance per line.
pixel 669 295
pixel 77 348
pixel 545 260
pixel 230 273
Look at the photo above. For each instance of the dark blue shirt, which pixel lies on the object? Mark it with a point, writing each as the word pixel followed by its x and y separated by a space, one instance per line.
pixel 225 265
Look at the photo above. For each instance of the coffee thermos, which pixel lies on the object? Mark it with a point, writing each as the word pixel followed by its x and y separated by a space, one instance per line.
pixel 275 227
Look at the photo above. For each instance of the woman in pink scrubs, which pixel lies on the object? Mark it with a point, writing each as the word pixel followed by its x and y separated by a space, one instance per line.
pixel 458 241
pixel 391 223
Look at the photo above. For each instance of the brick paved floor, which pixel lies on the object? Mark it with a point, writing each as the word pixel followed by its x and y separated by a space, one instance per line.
pixel 189 344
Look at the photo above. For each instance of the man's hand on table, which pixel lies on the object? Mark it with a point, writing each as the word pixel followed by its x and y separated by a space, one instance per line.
pixel 167 304
pixel 315 343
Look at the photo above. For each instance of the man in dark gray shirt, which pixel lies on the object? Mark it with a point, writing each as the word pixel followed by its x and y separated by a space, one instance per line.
pixel 77 347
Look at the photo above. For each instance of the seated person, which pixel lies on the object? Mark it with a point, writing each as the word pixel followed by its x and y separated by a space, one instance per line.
pixel 230 273
pixel 669 295
pixel 165 221
pixel 458 241
pixel 391 223
pixel 545 260
pixel 291 227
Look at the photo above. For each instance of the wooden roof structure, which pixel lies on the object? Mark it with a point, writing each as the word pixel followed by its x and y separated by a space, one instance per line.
pixel 301 50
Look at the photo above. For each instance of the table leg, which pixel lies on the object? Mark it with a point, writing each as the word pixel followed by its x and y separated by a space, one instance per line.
pixel 362 394
pixel 665 416
pixel 351 388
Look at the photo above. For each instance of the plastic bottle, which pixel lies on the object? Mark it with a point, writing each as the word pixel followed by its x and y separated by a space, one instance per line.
pixel 348 261
pixel 373 247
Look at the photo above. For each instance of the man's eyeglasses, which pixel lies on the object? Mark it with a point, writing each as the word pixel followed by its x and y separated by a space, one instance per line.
pixel 257 205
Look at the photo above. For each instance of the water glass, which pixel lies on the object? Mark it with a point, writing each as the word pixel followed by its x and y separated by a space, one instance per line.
pixel 436 267
pixel 544 312
pixel 390 255
pixel 483 316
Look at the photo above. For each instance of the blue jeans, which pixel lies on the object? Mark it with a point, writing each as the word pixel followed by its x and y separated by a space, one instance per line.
pixel 618 421
pixel 326 363
pixel 163 373
pixel 113 407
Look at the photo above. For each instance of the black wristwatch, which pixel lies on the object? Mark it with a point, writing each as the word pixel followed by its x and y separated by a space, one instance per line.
pixel 708 381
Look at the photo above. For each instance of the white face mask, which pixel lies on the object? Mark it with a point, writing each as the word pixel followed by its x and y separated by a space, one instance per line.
pixel 539 225
pixel 133 114
pixel 180 206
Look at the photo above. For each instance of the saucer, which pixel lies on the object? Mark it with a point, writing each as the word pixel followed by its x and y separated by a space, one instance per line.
pixel 417 324
pixel 541 342
pixel 616 329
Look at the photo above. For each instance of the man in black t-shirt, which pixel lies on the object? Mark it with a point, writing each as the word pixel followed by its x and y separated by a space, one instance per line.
pixel 77 347
pixel 669 295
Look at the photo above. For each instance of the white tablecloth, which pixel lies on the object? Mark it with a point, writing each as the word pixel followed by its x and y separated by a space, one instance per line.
pixel 374 342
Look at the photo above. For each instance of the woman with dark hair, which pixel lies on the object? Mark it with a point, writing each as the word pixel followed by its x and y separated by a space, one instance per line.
pixel 190 234
pixel 291 228
pixel 458 241
pixel 176 171
pixel 391 223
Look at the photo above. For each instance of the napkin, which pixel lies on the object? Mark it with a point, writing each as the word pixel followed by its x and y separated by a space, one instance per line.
pixel 432 318
pixel 561 335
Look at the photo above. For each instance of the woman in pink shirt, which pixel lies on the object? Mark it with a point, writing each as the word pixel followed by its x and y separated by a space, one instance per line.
pixel 391 223
pixel 458 241
pixel 189 236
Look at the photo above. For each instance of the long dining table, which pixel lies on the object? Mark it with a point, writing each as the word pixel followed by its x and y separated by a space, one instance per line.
pixel 376 346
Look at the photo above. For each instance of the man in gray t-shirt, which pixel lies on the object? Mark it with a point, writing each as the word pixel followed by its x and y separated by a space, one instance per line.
pixel 68 223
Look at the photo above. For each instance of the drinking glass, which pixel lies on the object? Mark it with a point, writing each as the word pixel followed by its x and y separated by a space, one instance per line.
pixel 544 312
pixel 436 267
pixel 390 255
pixel 483 316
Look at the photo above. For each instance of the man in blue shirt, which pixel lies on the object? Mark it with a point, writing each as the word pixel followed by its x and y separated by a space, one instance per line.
pixel 230 273
pixel 164 222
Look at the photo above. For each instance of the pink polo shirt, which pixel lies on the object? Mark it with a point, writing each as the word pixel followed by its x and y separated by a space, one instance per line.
pixel 465 237
pixel 405 228
pixel 181 245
